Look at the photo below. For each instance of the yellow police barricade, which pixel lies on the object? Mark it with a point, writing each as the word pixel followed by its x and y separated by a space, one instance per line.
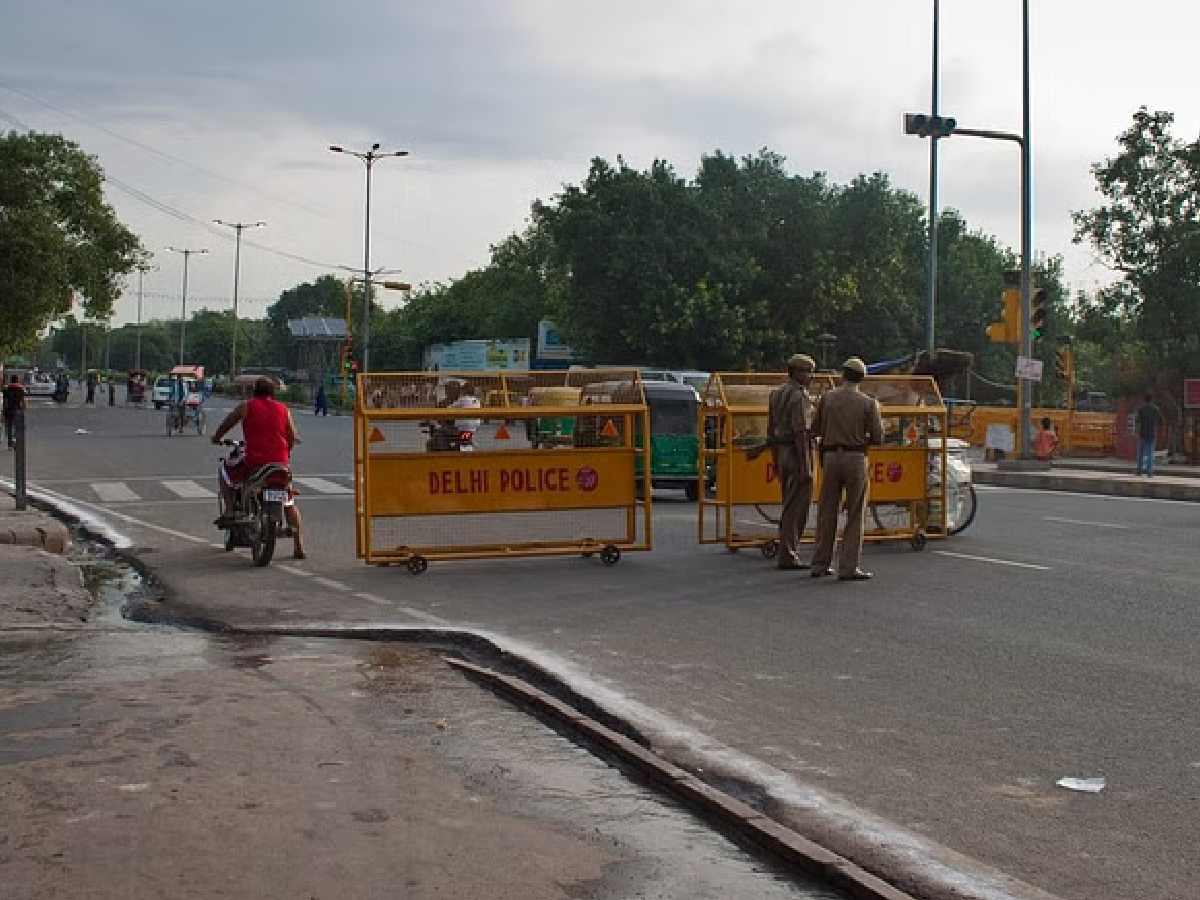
pixel 474 465
pixel 741 506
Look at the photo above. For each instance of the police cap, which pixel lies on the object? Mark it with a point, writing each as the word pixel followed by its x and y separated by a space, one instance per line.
pixel 802 361
pixel 855 365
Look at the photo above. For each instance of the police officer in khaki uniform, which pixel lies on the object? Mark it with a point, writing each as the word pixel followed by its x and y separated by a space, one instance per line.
pixel 847 422
pixel 789 420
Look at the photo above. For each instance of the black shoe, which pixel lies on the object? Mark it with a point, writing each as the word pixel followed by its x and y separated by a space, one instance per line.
pixel 821 572
pixel 857 575
pixel 792 566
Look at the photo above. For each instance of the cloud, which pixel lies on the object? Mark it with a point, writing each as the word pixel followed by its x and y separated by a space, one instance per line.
pixel 501 103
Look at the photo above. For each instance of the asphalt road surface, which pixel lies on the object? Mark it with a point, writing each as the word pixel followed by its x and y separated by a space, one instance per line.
pixel 1055 637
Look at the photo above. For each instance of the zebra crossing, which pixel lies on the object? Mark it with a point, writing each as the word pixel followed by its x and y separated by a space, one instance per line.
pixel 147 490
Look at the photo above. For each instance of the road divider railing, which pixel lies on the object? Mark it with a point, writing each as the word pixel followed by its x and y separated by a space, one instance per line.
pixel 481 465
pixel 741 502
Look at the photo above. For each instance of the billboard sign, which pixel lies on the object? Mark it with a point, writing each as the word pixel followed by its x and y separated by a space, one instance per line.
pixel 550 343
pixel 474 356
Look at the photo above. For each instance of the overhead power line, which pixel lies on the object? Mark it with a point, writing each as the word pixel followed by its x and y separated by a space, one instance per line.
pixel 175 213
pixel 169 157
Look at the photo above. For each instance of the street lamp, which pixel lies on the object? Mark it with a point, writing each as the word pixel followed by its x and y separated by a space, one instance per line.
pixel 368 159
pixel 142 270
pixel 238 228
pixel 187 253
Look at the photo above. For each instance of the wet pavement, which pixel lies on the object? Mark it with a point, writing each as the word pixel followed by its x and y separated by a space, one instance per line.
pixel 144 761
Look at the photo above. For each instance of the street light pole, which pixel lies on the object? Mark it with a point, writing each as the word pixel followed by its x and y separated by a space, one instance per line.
pixel 238 228
pixel 931 287
pixel 183 309
pixel 142 270
pixel 368 159
pixel 1026 233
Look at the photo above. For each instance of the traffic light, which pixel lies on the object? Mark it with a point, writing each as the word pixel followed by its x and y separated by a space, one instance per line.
pixel 1008 329
pixel 1037 315
pixel 929 126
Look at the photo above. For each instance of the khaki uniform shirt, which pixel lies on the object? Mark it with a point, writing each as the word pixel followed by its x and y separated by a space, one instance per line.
pixel 789 418
pixel 846 417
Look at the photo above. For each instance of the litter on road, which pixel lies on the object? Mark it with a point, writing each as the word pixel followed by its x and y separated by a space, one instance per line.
pixel 1086 785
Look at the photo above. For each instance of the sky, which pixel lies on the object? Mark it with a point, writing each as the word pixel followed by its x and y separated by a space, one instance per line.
pixel 204 110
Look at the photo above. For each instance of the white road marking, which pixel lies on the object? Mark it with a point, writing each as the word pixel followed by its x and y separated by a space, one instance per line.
pixel 321 486
pixel 1110 498
pixel 292 570
pixel 989 559
pixel 1063 521
pixel 331 584
pixel 67 502
pixel 168 477
pixel 113 491
pixel 419 615
pixel 189 489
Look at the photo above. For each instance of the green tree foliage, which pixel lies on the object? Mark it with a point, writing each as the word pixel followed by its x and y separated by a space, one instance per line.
pixel 1148 230
pixel 57 235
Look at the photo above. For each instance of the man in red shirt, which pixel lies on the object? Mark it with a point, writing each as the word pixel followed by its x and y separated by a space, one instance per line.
pixel 270 435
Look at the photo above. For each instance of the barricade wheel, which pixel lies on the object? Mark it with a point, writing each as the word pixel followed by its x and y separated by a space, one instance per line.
pixel 770 549
pixel 610 555
pixel 919 541
pixel 418 564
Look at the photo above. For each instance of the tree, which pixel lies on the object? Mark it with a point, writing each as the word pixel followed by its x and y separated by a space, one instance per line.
pixel 1147 229
pixel 57 236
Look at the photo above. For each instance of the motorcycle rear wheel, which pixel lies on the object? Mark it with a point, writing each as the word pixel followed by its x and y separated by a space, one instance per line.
pixel 262 541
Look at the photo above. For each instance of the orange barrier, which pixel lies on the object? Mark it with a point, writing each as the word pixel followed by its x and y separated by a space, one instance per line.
pixel 1081 433
pixel 740 505
pixel 479 465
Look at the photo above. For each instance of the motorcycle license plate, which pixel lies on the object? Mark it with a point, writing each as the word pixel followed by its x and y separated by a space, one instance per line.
pixel 272 496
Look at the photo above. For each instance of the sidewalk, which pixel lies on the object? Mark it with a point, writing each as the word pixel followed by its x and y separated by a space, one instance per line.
pixel 1110 477
pixel 143 762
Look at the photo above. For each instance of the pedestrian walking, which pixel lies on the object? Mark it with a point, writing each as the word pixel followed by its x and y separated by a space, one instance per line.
pixel 112 391
pixel 321 404
pixel 91 388
pixel 1148 418
pixel 1045 443
pixel 847 422
pixel 789 420
pixel 14 403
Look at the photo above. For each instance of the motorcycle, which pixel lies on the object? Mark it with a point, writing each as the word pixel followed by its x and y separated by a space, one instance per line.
pixel 256 518
pixel 448 436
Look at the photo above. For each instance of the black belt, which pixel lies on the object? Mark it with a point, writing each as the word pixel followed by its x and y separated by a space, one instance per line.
pixel 843 448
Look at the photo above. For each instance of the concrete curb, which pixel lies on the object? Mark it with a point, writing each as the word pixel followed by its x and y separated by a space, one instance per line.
pixel 1149 488
pixel 730 813
pixel 32 529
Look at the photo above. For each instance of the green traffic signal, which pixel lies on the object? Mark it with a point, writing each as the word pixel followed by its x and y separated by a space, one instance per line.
pixel 1037 314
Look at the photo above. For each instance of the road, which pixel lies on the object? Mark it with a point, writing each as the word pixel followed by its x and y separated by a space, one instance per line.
pixel 941 701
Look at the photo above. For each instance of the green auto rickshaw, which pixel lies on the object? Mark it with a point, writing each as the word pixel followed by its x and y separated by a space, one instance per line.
pixel 674 443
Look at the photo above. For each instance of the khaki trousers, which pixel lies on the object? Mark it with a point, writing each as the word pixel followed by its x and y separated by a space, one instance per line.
pixel 797 497
pixel 842 472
